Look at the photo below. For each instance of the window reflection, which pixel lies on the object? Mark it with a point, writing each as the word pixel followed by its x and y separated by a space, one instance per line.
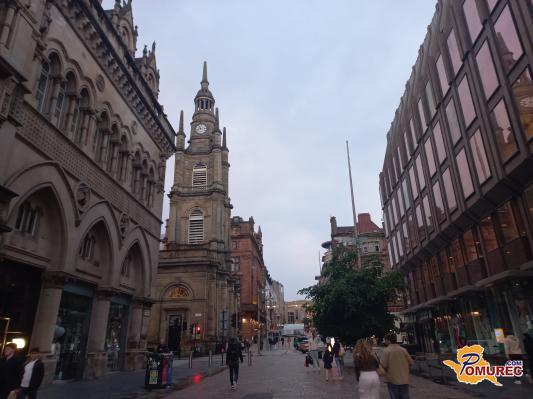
pixel 413 182
pixel 423 123
pixel 503 131
pixel 469 113
pixel 441 70
pixel 464 174
pixel 455 56
pixel 421 180
pixel 439 207
pixel 470 246
pixel 448 190
pixel 523 95
pixel 439 143
pixel 472 19
pixel 507 222
pixel 480 157
pixel 488 234
pixel 429 156
pixel 507 39
pixel 431 99
pixel 485 65
pixel 453 123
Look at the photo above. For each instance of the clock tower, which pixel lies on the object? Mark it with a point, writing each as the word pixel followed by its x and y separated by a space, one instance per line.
pixel 195 283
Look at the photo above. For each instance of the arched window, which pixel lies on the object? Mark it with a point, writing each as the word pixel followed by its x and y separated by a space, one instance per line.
pixel 72 128
pixel 58 106
pixel 42 86
pixel 112 149
pixel 86 250
pixel 125 270
pixel 144 181
pixel 102 138
pixel 27 218
pixel 122 159
pixel 136 174
pixel 199 176
pixel 151 187
pixel 196 227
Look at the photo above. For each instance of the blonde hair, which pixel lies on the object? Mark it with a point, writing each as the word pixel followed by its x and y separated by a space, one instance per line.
pixel 362 350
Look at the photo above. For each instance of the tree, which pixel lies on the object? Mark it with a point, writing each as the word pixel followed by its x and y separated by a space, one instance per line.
pixel 351 303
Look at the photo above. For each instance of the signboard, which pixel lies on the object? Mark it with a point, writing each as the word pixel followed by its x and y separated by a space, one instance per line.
pixel 197 315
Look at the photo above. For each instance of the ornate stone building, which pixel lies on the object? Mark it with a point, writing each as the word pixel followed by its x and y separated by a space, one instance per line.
pixel 196 293
pixel 83 144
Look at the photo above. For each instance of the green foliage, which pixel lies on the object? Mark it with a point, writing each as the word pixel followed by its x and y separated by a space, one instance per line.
pixel 351 303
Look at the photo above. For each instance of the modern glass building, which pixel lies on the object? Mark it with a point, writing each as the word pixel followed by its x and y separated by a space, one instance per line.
pixel 457 178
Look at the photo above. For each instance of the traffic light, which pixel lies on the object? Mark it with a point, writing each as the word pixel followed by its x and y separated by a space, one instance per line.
pixel 198 329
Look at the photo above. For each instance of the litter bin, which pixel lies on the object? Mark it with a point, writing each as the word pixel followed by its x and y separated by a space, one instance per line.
pixel 158 370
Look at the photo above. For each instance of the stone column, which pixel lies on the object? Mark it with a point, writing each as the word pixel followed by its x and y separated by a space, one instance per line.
pixel 134 354
pixel 96 354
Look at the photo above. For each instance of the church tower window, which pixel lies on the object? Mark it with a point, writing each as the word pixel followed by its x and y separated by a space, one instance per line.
pixel 196 227
pixel 199 176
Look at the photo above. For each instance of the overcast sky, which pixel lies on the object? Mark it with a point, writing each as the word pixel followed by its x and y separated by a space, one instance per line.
pixel 293 80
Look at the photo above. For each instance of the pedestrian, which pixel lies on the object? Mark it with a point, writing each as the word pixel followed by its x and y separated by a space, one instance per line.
pixel 282 342
pixel 233 356
pixel 327 358
pixel 513 351
pixel 11 369
pixel 314 343
pixel 33 376
pixel 396 363
pixel 366 366
pixel 338 353
pixel 528 346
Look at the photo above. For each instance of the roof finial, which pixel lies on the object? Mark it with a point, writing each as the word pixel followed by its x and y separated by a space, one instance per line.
pixel 181 122
pixel 224 137
pixel 153 47
pixel 216 118
pixel 204 74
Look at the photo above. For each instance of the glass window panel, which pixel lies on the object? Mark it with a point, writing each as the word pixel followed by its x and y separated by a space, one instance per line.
pixel 395 210
pixel 489 79
pixel 407 146
pixel 455 56
pixel 507 39
pixel 421 180
pixel 469 113
pixel 523 95
pixel 464 174
pixel 503 131
pixel 400 158
pixel 488 234
pixel 441 70
pixel 395 247
pixel 453 123
pixel 529 201
pixel 407 243
pixel 405 190
pixel 400 244
pixel 413 182
pixel 439 143
pixel 470 246
pixel 420 221
pixel 457 253
pixel 472 18
pixel 430 98
pixel 389 208
pixel 427 212
pixel 412 230
pixel 423 123
pixel 396 169
pixel 439 207
pixel 429 156
pixel 507 222
pixel 448 190
pixel 400 202
pixel 413 133
pixel 480 157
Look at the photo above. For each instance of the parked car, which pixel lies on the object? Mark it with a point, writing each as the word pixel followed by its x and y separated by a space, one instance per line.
pixel 303 345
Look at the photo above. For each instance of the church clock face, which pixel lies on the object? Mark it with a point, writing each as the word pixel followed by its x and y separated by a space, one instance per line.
pixel 201 128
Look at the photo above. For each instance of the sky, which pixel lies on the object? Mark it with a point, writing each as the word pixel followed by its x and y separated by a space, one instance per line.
pixel 293 80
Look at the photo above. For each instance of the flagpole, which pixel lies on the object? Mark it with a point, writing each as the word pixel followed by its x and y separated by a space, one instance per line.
pixel 355 232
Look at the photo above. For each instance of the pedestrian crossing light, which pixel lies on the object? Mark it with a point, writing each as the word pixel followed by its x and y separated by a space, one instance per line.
pixel 197 329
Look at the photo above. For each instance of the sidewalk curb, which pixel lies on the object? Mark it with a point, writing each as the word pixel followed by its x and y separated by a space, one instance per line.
pixel 179 386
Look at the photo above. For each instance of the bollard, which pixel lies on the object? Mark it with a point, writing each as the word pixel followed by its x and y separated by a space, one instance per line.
pixel 190 359
pixel 210 363
pixel 249 358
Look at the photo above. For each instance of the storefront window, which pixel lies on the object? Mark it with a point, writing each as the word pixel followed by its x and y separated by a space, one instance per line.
pixel 523 95
pixel 453 123
pixel 503 131
pixel 507 222
pixel 488 234
pixel 472 19
pixel 116 334
pixel 467 105
pixel 429 156
pixel 453 48
pixel 480 157
pixel 448 190
pixel 439 143
pixel 439 207
pixel 464 174
pixel 442 75
pixel 508 41
pixel 489 79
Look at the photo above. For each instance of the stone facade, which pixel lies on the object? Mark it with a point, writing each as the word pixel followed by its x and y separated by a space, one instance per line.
pixel 195 287
pixel 83 145
pixel 249 266
pixel 295 311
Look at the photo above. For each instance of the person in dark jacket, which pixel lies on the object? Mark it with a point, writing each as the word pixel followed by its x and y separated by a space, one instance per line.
pixel 327 359
pixel 233 355
pixel 11 369
pixel 33 376
pixel 528 347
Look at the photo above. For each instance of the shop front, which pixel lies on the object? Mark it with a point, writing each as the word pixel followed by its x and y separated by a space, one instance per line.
pixel 117 331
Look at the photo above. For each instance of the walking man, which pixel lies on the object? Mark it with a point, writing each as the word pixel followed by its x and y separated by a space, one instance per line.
pixel 233 356
pixel 33 376
pixel 11 369
pixel 397 363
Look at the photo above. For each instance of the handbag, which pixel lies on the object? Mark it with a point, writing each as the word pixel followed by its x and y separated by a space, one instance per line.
pixel 380 370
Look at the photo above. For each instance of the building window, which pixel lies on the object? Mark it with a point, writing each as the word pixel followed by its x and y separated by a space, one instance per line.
pixel 423 123
pixel 507 222
pixel 400 203
pixel 27 218
pixel 439 207
pixel 236 264
pixel 441 70
pixel 58 109
pixel 125 270
pixel 427 212
pixel 408 147
pixel 400 243
pixel 485 65
pixel 492 3
pixel 199 176
pixel 429 156
pixel 405 191
pixel 412 230
pixel 42 86
pixel 413 181
pixel 480 157
pixel 413 133
pixel 196 227
pixel 488 234
pixel 464 174
pixel 406 242
pixel 523 95
pixel 470 246
pixel 472 19
pixel 74 123
pixel 507 39
pixel 457 253
pixel 503 130
pixel 420 222
pixel 448 190
pixel 455 56
pixel 469 113
pixel 86 250
pixel 439 143
pixel 421 180
pixel 395 210
pixel 453 123
pixel 431 99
